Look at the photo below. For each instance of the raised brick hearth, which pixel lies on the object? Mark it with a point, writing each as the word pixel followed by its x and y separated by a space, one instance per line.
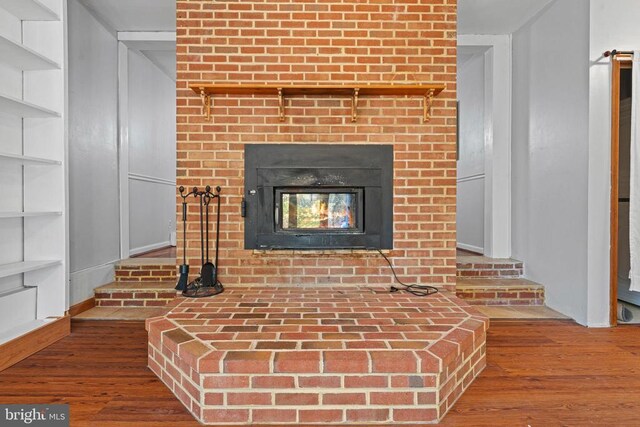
pixel 285 355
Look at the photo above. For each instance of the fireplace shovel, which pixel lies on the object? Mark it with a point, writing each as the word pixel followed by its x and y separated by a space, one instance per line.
pixel 184 268
pixel 210 270
pixel 207 284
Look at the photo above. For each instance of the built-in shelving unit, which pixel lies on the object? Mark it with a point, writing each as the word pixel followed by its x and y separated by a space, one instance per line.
pixel 14 268
pixel 20 57
pixel 18 108
pixel 33 218
pixel 29 10
pixel 28 160
pixel 425 90
pixel 27 214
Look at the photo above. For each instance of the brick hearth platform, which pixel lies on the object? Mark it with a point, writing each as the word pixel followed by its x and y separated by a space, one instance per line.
pixel 286 355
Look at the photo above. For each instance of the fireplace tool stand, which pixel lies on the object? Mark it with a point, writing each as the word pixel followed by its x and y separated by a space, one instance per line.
pixel 207 284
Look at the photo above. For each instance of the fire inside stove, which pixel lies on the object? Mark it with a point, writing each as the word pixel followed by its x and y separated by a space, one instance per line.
pixel 318 210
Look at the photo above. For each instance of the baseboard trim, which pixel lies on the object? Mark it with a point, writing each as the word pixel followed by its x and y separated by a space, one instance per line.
pixel 471 248
pixel 81 307
pixel 83 282
pixel 32 342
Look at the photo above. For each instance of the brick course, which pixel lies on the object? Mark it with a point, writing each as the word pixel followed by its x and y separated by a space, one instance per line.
pixel 488 291
pixel 469 267
pixel 322 42
pixel 135 294
pixel 149 272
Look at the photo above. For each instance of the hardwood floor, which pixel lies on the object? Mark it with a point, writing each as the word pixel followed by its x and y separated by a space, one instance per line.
pixel 539 373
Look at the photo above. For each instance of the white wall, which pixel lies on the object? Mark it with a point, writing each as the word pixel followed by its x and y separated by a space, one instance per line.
pixel 614 25
pixel 152 154
pixel 550 153
pixel 471 163
pixel 93 149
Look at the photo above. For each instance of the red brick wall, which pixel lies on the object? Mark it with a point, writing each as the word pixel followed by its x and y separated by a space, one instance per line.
pixel 323 42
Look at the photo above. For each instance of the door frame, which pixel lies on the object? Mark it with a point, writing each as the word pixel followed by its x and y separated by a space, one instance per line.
pixel 617 65
pixel 123 146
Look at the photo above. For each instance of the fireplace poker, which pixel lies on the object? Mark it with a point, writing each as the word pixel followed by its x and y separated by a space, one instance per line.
pixel 184 268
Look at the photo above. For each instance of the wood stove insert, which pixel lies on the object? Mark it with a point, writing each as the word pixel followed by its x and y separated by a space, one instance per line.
pixel 318 196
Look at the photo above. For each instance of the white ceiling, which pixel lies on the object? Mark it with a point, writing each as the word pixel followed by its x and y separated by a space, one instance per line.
pixel 142 16
pixel 135 15
pixel 496 16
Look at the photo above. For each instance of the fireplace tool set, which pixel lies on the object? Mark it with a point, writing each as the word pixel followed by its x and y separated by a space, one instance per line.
pixel 207 284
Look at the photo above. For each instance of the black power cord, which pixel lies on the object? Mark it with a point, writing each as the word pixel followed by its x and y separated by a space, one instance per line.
pixel 417 290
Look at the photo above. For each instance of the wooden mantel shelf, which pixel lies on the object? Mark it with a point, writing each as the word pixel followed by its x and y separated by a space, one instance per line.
pixel 427 91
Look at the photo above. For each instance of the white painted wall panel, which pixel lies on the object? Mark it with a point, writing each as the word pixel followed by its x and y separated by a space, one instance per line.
pixel 470 202
pixel 93 170
pixel 471 97
pixel 152 208
pixel 550 153
pixel 470 219
pixel 152 154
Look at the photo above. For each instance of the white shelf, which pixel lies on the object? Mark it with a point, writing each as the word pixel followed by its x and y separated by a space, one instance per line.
pixel 29 10
pixel 27 214
pixel 16 107
pixel 28 160
pixel 18 331
pixel 18 56
pixel 14 268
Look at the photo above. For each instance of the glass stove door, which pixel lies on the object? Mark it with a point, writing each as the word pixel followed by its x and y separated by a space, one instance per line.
pixel 318 210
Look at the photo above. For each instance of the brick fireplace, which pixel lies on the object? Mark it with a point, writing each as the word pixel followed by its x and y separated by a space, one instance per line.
pixel 314 336
pixel 323 42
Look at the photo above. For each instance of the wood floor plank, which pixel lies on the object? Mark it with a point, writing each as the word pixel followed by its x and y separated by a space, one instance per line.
pixel 539 373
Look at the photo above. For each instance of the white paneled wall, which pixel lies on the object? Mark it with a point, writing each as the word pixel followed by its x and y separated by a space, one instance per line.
pixel 152 154
pixel 33 217
pixel 93 152
pixel 471 164
pixel 550 159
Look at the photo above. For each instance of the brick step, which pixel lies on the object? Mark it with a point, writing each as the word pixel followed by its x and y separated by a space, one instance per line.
pixel 146 270
pixel 500 291
pixel 135 294
pixel 481 266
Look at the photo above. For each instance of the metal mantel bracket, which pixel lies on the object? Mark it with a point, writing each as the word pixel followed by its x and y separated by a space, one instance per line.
pixel 280 104
pixel 354 105
pixel 426 105
pixel 206 104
